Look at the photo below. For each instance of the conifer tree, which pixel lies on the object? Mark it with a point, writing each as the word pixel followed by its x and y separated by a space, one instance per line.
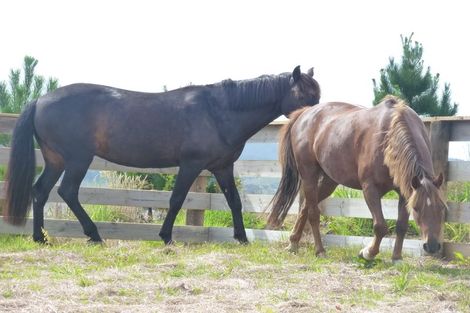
pixel 409 81
pixel 20 91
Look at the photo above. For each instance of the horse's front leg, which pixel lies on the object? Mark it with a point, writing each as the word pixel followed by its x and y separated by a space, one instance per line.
pixel 372 197
pixel 401 229
pixel 187 174
pixel 227 185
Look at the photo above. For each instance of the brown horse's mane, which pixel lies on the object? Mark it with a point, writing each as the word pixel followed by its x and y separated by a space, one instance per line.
pixel 401 153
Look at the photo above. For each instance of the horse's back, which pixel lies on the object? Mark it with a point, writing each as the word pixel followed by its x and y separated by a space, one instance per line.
pixel 343 139
pixel 126 127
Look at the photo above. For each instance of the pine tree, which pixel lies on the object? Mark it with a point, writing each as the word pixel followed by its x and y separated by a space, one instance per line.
pixel 15 95
pixel 409 81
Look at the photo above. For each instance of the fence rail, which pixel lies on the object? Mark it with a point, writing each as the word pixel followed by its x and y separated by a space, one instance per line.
pixel 443 130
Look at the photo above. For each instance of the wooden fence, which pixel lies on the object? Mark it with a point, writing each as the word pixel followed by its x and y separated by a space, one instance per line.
pixel 442 130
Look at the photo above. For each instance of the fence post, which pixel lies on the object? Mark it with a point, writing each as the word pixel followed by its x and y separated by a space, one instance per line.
pixel 439 135
pixel 196 217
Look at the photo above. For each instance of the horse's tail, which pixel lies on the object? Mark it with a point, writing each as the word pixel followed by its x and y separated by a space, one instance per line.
pixel 290 182
pixel 21 169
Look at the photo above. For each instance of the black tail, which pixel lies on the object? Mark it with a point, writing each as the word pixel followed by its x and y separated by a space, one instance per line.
pixel 21 169
pixel 290 182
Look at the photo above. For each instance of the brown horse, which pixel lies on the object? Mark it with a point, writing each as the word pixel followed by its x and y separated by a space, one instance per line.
pixel 195 128
pixel 374 149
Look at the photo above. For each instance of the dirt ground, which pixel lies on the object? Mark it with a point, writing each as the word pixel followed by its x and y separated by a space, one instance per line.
pixel 135 277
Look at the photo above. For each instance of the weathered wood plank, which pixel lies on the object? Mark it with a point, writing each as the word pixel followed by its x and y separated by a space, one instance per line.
pixel 257 168
pixel 439 136
pixel 268 134
pixel 450 248
pixel 459 171
pixel 122 231
pixel 410 246
pixel 458 212
pixel 7 122
pixel 460 130
pixel 356 208
pixel 242 167
pixel 225 234
pixel 132 198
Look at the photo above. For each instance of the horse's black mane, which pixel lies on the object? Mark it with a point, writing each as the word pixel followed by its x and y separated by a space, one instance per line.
pixel 245 94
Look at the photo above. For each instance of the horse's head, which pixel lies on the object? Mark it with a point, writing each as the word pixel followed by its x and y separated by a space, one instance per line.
pixel 304 90
pixel 429 209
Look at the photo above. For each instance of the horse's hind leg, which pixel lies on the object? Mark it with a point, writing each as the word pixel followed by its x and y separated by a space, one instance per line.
pixel 311 174
pixel 325 188
pixel 299 225
pixel 41 190
pixel 74 173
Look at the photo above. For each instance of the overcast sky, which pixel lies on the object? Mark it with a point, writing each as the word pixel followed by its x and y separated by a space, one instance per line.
pixel 143 45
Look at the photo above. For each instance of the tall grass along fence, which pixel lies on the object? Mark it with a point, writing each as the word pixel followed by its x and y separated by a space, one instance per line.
pixel 441 130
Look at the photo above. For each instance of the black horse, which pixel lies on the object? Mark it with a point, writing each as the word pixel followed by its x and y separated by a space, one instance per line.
pixel 195 128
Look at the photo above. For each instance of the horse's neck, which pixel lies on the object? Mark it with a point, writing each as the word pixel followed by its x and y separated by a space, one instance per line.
pixel 236 127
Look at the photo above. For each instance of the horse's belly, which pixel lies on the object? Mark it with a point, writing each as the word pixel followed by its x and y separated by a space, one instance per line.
pixel 341 168
pixel 140 160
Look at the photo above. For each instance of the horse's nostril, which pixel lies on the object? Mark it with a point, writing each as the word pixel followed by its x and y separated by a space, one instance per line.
pixel 432 247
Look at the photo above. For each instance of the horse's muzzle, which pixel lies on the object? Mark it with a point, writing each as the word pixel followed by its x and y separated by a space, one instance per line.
pixel 432 246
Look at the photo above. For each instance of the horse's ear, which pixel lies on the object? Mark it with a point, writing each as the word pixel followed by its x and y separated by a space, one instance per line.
pixel 437 181
pixel 415 183
pixel 310 72
pixel 296 74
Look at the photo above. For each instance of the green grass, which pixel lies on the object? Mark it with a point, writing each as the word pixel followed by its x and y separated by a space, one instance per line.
pixel 267 266
pixel 224 219
pixel 401 282
pixel 9 243
pixel 458 191
pixel 85 282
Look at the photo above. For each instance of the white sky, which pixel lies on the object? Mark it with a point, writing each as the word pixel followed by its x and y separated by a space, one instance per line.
pixel 143 45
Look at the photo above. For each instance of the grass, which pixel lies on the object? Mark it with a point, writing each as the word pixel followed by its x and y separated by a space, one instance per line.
pixel 224 219
pixel 121 269
pixel 402 281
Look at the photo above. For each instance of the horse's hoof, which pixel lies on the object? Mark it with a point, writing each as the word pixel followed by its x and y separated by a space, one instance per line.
pixel 364 254
pixel 321 254
pixel 241 239
pixel 397 262
pixel 40 240
pixel 293 248
pixel 169 242
pixel 95 242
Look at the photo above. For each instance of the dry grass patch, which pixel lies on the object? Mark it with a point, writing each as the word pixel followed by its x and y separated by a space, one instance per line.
pixel 120 276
